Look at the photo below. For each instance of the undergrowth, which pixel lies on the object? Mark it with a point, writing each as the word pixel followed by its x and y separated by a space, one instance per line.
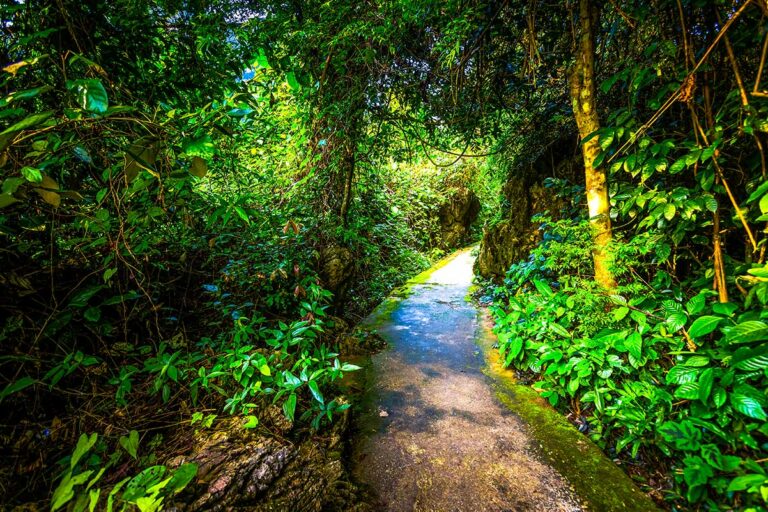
pixel 656 370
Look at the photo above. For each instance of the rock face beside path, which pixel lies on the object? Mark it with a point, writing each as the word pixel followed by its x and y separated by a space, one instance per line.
pixel 336 268
pixel 511 239
pixel 456 216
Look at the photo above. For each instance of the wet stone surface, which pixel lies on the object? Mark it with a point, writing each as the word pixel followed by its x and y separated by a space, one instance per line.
pixel 433 435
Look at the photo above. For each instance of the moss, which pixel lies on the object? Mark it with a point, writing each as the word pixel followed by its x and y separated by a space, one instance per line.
pixel 595 478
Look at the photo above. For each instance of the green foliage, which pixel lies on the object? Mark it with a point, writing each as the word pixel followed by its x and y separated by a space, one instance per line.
pixel 655 368
pixel 79 485
pixel 170 175
pixel 624 361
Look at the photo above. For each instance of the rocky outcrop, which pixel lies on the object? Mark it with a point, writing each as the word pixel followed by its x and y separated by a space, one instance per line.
pixel 456 216
pixel 240 469
pixel 511 239
pixel 336 268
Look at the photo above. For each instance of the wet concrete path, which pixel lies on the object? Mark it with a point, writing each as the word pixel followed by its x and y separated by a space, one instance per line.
pixel 439 433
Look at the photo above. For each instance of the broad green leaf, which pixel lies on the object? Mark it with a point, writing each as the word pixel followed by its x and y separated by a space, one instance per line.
pixel 16 386
pixel 706 379
pixel 748 406
pixel 251 421
pixel 761 272
pixel 32 175
pixel 92 314
pixel 676 321
pixel 746 332
pixel 201 147
pixel 683 435
pixel 292 81
pixel 559 330
pixel 669 211
pixel 606 139
pixel 25 94
pixel 758 192
pixel 130 443
pixel 751 359
pixel 80 299
pixel 634 344
pixel 704 325
pixel 182 476
pixel 27 122
pixel 149 503
pixel 744 482
pixel 693 157
pixel 696 304
pixel 65 490
pixel 242 214
pixel 543 288
pixel 265 370
pixel 718 396
pixel 620 313
pixel 710 203
pixel 108 274
pixel 724 308
pixel 139 484
pixel 96 478
pixel 84 445
pixel 93 499
pixel 262 60
pixel 573 386
pixel 11 185
pixel 688 391
pixel 677 166
pixel 696 361
pixel 315 391
pixel 682 374
pixel 289 406
pixel 90 94
pixel 116 489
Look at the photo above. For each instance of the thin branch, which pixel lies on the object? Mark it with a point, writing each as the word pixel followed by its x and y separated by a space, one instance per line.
pixel 672 99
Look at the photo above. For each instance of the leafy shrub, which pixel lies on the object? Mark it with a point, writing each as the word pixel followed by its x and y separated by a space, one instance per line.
pixel 653 369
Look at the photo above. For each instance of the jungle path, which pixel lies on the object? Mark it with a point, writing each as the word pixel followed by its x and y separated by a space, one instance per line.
pixel 444 428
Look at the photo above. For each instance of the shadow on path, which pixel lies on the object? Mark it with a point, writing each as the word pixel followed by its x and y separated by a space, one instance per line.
pixel 441 429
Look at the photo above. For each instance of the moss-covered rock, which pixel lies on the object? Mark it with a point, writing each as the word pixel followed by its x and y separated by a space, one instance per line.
pixel 241 469
pixel 456 216
pixel 336 268
pixel 511 239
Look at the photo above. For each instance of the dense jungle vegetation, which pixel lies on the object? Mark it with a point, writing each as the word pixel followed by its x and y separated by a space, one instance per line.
pixel 199 197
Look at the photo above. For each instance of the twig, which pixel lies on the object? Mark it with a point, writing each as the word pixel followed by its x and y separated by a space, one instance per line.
pixel 671 100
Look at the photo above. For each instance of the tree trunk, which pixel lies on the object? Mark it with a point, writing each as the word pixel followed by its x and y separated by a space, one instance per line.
pixel 348 173
pixel 583 99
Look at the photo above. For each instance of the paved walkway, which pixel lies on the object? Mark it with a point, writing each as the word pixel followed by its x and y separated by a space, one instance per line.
pixel 434 436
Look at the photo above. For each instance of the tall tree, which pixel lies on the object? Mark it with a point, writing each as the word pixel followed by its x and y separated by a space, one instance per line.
pixel 584 103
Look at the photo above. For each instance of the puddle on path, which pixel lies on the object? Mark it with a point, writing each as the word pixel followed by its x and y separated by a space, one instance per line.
pixel 442 428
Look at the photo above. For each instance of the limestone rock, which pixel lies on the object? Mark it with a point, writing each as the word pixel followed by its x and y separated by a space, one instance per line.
pixel 336 268
pixel 511 239
pixel 243 470
pixel 456 217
